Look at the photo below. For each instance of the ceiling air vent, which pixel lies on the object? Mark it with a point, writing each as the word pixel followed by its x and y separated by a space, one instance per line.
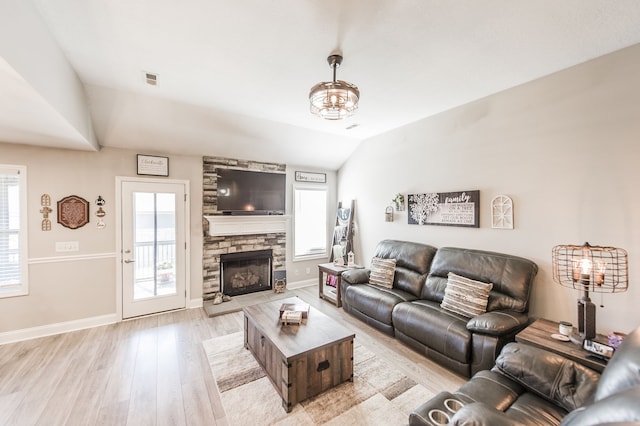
pixel 151 78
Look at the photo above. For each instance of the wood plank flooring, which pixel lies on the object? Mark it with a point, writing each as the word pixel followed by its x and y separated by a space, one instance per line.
pixel 153 370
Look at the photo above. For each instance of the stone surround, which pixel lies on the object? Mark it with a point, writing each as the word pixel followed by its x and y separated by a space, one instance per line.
pixel 214 246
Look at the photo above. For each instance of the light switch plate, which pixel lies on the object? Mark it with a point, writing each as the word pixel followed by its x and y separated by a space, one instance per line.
pixel 66 246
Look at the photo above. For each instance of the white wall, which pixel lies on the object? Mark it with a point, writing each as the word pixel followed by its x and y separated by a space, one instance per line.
pixel 41 62
pixel 66 291
pixel 565 148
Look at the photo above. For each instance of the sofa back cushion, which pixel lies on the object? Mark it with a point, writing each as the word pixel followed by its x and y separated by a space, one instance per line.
pixel 558 379
pixel 623 370
pixel 511 276
pixel 413 261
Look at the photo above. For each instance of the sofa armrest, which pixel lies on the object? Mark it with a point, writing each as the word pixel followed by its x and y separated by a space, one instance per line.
pixel 420 416
pixel 356 276
pixel 481 414
pixel 439 410
pixel 551 376
pixel 498 323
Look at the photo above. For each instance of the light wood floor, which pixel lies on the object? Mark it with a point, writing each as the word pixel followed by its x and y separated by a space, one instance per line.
pixel 152 370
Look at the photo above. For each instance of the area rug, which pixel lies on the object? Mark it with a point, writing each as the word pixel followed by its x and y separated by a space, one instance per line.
pixel 378 395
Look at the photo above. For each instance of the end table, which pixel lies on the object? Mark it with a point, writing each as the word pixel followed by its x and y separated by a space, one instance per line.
pixel 333 270
pixel 539 334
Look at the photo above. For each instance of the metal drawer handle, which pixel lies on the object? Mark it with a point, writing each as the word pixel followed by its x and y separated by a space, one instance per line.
pixel 323 366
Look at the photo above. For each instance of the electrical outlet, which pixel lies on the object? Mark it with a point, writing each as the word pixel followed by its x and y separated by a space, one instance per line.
pixel 66 246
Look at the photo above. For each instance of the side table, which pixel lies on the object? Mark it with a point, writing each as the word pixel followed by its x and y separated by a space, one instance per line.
pixel 539 334
pixel 333 270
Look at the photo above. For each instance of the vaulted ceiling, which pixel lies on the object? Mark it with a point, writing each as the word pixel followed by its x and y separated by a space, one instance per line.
pixel 234 76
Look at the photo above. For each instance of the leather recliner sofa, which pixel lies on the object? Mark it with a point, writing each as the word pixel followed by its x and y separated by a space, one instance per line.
pixel 411 310
pixel 532 386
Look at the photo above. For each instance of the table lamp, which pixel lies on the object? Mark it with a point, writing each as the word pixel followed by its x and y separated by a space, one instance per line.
pixel 589 269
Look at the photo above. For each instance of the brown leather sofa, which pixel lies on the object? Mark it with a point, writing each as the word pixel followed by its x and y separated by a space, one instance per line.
pixel 411 310
pixel 531 386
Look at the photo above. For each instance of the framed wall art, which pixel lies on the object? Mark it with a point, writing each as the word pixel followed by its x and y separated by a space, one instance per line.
pixel 152 165
pixel 73 212
pixel 311 177
pixel 460 208
pixel 502 212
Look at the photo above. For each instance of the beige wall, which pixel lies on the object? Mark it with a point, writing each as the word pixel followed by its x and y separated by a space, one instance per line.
pixel 61 291
pixel 565 148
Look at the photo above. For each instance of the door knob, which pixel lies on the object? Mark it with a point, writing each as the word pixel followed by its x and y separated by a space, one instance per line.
pixel 129 261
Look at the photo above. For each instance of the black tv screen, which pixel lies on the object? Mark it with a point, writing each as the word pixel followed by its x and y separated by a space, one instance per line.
pixel 247 192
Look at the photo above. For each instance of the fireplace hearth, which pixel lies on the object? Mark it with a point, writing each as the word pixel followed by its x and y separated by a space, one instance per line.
pixel 246 272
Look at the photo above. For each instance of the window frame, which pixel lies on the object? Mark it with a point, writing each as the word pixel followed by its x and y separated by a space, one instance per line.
pixel 22 288
pixel 310 256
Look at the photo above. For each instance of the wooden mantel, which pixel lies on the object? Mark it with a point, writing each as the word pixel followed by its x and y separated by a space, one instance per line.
pixel 220 226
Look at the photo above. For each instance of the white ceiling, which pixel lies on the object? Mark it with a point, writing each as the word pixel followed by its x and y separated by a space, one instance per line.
pixel 234 76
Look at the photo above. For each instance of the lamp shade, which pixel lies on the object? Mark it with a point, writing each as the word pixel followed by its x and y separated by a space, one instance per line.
pixel 591 268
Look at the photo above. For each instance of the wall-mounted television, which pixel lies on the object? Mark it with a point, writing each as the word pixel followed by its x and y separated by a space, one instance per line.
pixel 250 192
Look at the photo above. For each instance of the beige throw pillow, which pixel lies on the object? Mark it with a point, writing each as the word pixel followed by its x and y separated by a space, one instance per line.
pixel 465 296
pixel 382 272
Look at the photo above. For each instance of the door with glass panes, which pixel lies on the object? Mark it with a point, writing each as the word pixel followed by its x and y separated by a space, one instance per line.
pixel 153 247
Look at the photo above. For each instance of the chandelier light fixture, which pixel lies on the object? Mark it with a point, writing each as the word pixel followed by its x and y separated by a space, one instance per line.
pixel 334 100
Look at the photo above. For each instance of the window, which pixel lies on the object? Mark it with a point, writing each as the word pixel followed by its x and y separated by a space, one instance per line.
pixel 13 230
pixel 310 222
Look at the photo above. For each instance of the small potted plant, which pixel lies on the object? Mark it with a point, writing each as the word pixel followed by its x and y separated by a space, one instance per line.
pixel 398 202
pixel 165 271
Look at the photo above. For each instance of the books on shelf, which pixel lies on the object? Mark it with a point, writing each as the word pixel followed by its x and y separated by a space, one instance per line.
pixel 332 280
pixel 301 307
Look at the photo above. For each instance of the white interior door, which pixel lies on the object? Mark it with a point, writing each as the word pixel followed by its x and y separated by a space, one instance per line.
pixel 153 244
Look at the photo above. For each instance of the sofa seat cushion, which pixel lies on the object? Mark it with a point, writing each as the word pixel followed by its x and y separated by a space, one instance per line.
pixel 530 409
pixel 427 323
pixel 375 302
pixel 491 388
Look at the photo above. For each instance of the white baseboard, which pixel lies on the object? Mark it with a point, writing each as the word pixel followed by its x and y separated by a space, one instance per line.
pixel 195 303
pixel 57 328
pixel 303 283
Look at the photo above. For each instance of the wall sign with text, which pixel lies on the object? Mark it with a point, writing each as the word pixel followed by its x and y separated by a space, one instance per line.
pixel 152 165
pixel 311 177
pixel 445 208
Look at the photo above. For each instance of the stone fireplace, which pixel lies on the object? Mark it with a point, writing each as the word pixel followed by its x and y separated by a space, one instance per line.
pixel 225 235
pixel 246 272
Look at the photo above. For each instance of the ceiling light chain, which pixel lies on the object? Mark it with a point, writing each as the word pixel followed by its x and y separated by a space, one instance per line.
pixel 334 100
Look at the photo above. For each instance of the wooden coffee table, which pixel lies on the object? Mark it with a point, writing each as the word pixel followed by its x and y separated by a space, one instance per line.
pixel 300 360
